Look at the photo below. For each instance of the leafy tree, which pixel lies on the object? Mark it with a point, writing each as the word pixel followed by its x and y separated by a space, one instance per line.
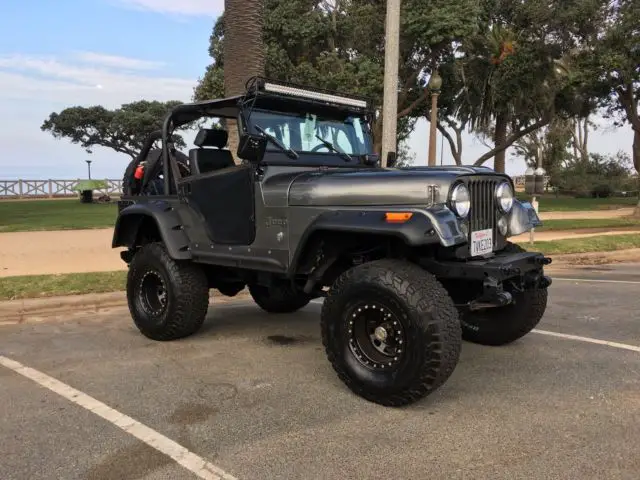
pixel 517 71
pixel 549 146
pixel 124 129
pixel 610 60
pixel 498 58
pixel 339 45
pixel 596 176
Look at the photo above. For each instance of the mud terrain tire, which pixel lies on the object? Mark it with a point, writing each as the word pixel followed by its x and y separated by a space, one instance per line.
pixel 415 315
pixel 154 276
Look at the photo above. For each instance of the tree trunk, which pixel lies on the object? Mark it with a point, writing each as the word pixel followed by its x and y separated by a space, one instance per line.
pixel 244 55
pixel 500 139
pixel 636 163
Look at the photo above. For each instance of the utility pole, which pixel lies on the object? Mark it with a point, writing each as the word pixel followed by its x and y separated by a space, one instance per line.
pixel 390 100
pixel 434 86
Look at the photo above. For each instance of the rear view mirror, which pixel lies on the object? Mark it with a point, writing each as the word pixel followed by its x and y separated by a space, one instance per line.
pixel 252 147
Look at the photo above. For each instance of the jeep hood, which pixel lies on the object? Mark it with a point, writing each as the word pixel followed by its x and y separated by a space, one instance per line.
pixel 375 186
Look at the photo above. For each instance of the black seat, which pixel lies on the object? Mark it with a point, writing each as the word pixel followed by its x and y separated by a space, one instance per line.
pixel 203 160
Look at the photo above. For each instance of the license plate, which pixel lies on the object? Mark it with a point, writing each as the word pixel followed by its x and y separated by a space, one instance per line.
pixel 481 242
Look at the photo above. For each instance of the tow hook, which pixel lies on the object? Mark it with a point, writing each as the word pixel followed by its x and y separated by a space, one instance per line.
pixel 543 260
pixel 500 299
pixel 492 296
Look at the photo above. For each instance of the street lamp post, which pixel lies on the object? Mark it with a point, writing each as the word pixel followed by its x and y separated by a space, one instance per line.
pixel 434 86
pixel 89 167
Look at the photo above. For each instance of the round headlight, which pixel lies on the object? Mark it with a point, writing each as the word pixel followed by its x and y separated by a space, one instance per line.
pixel 460 200
pixel 504 195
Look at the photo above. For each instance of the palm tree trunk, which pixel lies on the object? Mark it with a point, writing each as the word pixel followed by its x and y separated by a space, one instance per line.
pixel 500 139
pixel 244 55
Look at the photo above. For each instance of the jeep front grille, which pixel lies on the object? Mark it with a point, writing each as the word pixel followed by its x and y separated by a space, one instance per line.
pixel 482 215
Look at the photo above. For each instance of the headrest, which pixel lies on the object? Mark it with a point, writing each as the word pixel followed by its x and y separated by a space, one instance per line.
pixel 209 137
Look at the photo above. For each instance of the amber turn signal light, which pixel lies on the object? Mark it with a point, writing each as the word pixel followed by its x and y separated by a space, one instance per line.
pixel 397 217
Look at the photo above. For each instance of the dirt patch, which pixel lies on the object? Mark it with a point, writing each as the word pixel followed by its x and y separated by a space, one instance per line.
pixel 51 252
pixel 586 214
pixel 596 258
pixel 577 233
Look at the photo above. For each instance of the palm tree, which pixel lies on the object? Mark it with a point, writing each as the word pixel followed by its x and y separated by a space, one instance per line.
pixel 244 53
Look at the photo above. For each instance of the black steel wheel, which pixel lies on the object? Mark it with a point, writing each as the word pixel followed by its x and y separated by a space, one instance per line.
pixel 167 299
pixel 376 334
pixel 152 293
pixel 390 331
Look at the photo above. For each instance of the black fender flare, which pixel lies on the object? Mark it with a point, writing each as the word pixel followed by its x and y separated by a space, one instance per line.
pixel 167 221
pixel 416 231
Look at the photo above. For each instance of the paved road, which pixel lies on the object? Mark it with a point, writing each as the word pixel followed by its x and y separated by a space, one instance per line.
pixel 254 395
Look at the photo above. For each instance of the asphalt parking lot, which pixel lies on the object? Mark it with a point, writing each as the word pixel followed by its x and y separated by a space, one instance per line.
pixel 253 395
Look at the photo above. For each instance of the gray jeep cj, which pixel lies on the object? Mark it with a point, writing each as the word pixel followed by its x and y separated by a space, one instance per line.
pixel 410 261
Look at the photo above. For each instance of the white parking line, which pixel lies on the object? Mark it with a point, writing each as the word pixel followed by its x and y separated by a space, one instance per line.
pixel 189 460
pixel 595 280
pixel 623 346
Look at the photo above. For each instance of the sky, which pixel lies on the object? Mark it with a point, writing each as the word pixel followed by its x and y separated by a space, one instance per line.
pixel 63 53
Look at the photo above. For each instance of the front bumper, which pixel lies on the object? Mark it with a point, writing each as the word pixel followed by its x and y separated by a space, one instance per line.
pixel 501 267
pixel 524 271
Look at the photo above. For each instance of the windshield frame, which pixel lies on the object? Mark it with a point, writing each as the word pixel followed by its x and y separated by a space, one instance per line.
pixel 299 109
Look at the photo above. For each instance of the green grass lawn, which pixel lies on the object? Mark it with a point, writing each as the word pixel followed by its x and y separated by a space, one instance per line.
pixel 34 286
pixel 600 243
pixel 66 214
pixel 549 203
pixel 608 223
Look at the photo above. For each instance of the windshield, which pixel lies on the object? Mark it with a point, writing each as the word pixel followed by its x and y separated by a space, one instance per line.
pixel 305 132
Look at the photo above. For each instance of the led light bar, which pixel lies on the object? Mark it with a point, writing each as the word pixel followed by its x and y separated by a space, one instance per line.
pixel 299 92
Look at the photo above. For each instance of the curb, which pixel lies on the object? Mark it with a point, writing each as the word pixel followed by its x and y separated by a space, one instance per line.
pixel 38 309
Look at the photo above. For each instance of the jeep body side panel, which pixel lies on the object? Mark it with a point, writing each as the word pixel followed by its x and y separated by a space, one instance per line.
pixel 166 218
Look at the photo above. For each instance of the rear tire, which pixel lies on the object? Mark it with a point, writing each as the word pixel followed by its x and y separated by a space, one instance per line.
pixel 278 298
pixel 407 307
pixel 168 299
pixel 504 325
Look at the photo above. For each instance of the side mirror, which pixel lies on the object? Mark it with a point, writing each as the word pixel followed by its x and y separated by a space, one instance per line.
pixel 252 147
pixel 370 159
pixel 391 159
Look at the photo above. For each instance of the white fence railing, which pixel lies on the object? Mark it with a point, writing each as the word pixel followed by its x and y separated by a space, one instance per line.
pixel 53 188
